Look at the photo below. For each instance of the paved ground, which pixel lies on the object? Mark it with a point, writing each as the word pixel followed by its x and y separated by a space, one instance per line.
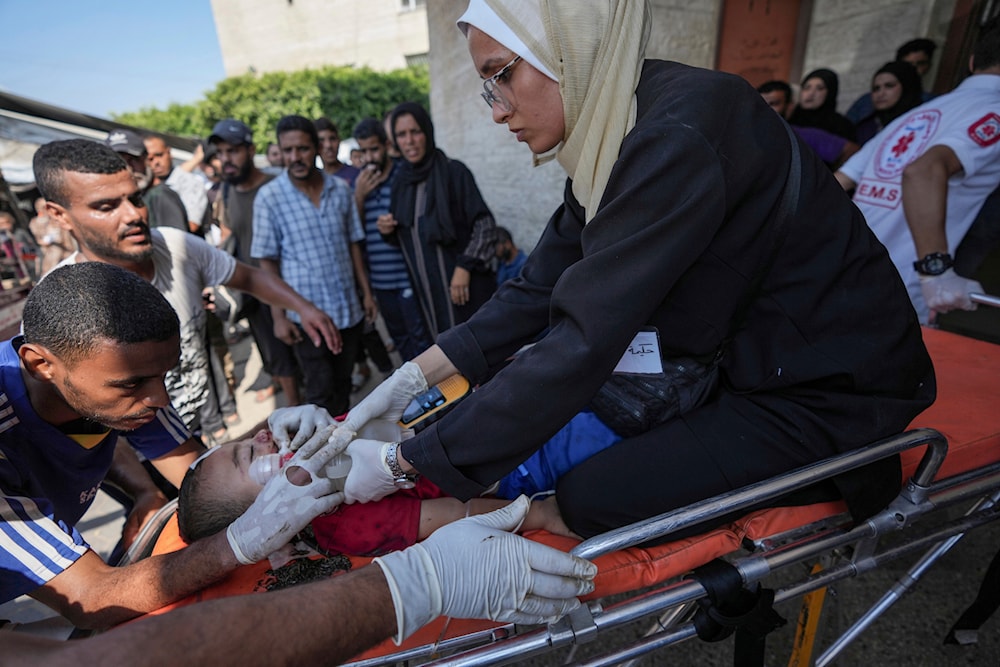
pixel 909 634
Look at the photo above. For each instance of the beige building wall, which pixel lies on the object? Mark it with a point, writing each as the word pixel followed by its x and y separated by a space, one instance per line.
pixel 852 37
pixel 274 35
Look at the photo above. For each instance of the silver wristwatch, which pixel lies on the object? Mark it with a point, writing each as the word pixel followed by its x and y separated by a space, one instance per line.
pixel 402 479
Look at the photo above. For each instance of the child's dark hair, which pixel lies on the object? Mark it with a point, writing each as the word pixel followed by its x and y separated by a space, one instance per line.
pixel 200 512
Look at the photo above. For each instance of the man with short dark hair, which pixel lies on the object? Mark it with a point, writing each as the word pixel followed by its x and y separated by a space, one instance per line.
pixel 165 206
pixel 511 257
pixel 273 154
pixel 189 187
pixel 329 151
pixel 242 180
pixel 306 229
pixel 390 279
pixel 89 367
pixel 918 52
pixel 922 181
pixel 778 95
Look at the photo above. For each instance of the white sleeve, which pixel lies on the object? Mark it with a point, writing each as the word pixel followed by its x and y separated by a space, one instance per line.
pixel 854 168
pixel 216 266
pixel 976 143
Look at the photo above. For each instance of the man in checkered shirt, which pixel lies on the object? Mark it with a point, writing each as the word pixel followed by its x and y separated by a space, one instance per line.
pixel 306 229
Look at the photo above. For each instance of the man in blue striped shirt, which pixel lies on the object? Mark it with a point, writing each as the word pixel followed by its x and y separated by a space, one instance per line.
pixel 390 279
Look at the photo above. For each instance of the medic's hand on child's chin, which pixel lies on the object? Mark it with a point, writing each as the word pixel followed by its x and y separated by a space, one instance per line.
pixel 293 427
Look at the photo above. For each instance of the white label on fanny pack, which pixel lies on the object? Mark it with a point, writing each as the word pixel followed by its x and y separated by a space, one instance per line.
pixel 642 357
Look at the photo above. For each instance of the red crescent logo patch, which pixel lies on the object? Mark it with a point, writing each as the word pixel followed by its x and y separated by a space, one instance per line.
pixel 986 130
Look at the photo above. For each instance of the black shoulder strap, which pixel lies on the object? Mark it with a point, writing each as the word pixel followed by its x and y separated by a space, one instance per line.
pixel 787 207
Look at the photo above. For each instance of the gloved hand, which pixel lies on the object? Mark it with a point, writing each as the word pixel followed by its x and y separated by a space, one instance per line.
pixel 369 478
pixel 284 507
pixel 293 427
pixel 474 569
pixel 949 291
pixel 390 398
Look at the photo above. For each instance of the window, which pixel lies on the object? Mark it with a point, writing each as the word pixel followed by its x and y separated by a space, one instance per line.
pixel 410 5
pixel 417 59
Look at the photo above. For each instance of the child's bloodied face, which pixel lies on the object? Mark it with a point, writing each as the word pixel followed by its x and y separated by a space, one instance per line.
pixel 226 470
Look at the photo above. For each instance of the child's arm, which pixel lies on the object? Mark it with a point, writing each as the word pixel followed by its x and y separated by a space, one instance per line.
pixel 436 512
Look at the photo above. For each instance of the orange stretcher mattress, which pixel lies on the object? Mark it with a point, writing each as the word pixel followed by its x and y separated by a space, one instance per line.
pixel 966 413
pixel 968 374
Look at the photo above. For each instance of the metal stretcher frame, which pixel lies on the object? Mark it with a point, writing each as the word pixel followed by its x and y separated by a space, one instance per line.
pixel 846 551
pixel 920 496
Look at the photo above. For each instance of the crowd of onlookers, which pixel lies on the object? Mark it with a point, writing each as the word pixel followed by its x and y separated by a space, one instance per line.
pixel 400 237
pixel 896 87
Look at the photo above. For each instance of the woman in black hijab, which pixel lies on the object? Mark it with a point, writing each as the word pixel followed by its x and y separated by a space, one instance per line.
pixel 441 223
pixel 896 89
pixel 818 105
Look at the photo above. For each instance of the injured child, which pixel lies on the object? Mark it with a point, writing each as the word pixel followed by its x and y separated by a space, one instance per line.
pixel 220 487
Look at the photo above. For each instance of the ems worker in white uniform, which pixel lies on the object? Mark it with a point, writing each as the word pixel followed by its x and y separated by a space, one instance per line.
pixel 922 181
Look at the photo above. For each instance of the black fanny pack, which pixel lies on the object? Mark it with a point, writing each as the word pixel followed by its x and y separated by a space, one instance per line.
pixel 634 404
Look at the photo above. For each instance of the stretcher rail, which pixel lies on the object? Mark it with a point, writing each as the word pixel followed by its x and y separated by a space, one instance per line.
pixel 761 492
pixel 985 299
pixel 670 596
pixel 577 627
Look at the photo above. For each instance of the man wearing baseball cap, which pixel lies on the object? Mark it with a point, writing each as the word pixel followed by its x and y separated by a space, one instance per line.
pixel 241 178
pixel 165 206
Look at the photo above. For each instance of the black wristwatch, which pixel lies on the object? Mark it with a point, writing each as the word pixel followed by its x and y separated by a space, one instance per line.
pixel 934 264
pixel 402 480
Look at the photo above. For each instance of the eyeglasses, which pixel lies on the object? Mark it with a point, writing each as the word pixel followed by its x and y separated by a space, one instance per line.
pixel 491 88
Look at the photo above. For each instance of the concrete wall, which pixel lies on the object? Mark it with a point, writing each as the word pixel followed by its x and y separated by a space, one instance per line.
pixel 852 37
pixel 272 35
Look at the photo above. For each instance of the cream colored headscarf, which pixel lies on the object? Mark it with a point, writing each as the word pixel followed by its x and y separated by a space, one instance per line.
pixel 595 48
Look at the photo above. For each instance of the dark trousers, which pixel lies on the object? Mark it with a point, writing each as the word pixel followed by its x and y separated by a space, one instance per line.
pixel 220 402
pixel 373 348
pixel 326 377
pixel 276 357
pixel 719 447
pixel 401 311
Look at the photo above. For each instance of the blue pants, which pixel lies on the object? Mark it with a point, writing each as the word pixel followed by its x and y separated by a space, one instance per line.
pixel 401 312
pixel 584 436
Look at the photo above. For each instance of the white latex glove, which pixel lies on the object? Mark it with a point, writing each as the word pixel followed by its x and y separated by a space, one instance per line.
pixel 283 508
pixel 369 478
pixel 335 436
pixel 293 427
pixel 389 399
pixel 473 568
pixel 949 291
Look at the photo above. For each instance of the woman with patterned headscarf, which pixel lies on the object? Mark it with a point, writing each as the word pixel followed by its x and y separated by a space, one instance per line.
pixel 684 233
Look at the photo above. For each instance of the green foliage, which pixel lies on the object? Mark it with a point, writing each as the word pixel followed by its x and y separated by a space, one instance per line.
pixel 175 119
pixel 344 94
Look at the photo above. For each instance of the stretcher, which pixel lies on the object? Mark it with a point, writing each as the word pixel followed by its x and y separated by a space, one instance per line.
pixel 951 459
